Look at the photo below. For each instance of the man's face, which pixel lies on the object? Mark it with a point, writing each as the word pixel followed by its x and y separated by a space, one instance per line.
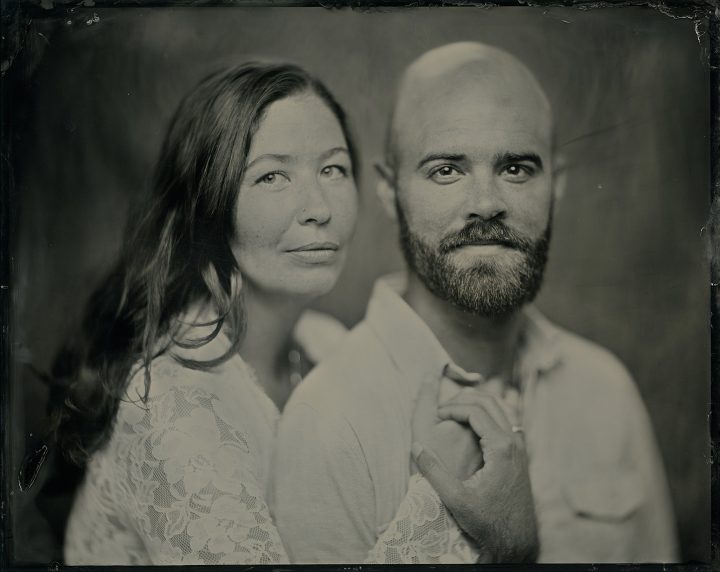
pixel 474 193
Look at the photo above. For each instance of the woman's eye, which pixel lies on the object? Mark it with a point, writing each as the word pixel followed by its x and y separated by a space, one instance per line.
pixel 445 174
pixel 333 172
pixel 517 173
pixel 273 180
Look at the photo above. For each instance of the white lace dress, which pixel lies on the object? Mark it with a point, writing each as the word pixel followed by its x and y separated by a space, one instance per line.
pixel 184 477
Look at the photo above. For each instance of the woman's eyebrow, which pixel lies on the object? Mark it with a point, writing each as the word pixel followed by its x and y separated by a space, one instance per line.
pixel 331 152
pixel 281 158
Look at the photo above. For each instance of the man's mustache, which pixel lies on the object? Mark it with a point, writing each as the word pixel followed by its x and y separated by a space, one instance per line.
pixel 483 232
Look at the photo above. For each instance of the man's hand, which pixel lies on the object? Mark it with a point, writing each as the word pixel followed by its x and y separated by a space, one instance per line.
pixel 495 505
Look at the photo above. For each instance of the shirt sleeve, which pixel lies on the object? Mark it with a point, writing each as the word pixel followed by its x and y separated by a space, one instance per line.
pixel 190 484
pixel 324 502
pixel 656 536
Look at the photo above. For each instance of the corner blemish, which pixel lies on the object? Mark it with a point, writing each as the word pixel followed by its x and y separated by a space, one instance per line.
pixel 699 32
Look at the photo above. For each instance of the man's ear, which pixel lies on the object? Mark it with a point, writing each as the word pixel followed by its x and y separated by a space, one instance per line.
pixel 559 177
pixel 386 189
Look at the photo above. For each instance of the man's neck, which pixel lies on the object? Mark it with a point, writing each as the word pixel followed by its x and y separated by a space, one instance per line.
pixel 476 343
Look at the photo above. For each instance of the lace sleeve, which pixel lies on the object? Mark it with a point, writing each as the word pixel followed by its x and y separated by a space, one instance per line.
pixel 193 493
pixel 423 532
pixel 191 483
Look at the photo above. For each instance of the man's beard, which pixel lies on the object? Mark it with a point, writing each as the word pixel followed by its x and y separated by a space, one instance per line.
pixel 487 288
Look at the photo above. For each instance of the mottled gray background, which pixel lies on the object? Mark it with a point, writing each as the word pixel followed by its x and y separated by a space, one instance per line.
pixel 627 266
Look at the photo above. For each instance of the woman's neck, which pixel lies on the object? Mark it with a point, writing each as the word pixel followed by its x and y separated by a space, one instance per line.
pixel 270 321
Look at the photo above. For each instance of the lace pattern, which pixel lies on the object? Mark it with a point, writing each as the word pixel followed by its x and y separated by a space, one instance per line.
pixel 191 483
pixel 180 483
pixel 423 532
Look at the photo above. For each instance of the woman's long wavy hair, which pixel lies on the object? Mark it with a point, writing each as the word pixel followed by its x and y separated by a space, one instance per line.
pixel 177 252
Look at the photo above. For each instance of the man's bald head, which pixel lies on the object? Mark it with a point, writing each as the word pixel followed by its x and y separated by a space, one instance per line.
pixel 471 177
pixel 469 76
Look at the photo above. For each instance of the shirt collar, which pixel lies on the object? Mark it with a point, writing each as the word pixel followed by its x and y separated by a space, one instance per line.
pixel 416 351
pixel 409 340
pixel 540 341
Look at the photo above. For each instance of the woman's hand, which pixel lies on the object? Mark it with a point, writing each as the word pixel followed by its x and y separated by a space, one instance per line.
pixel 495 505
pixel 457 446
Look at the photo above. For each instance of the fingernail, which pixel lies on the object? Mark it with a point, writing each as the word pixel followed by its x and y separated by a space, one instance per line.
pixel 416 449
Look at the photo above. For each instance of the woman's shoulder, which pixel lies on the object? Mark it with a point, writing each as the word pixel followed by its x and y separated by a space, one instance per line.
pixel 171 385
pixel 174 369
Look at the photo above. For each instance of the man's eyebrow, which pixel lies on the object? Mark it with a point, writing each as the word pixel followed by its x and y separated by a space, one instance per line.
pixel 508 157
pixel 440 157
pixel 281 158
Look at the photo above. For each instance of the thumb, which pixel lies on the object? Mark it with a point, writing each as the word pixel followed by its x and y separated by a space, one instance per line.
pixel 431 467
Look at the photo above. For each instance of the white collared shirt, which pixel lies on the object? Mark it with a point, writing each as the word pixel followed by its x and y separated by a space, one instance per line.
pixel 342 462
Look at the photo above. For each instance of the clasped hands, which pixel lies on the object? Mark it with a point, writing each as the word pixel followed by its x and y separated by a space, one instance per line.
pixel 467 449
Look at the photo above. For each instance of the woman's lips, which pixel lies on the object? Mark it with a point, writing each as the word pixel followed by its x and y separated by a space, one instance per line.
pixel 315 253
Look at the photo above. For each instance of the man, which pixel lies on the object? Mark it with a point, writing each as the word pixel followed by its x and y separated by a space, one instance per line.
pixel 471 176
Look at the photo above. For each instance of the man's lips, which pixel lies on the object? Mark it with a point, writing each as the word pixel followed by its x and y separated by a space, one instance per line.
pixel 503 243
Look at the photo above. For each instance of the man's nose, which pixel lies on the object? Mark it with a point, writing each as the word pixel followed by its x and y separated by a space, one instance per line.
pixel 315 208
pixel 484 199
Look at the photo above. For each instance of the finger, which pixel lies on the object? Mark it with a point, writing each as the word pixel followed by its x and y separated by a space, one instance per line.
pixel 495 408
pixel 498 443
pixel 494 386
pixel 484 423
pixel 431 467
pixel 465 396
pixel 477 424
pixel 473 398
pixel 425 412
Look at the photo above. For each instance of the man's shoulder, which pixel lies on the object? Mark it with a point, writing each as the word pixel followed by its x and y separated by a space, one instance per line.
pixel 357 369
pixel 590 392
pixel 591 368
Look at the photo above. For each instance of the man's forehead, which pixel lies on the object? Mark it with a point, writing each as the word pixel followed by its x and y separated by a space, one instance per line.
pixel 468 87
pixel 471 122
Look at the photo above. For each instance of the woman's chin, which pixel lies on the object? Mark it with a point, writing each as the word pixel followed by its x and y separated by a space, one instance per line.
pixel 316 289
pixel 310 284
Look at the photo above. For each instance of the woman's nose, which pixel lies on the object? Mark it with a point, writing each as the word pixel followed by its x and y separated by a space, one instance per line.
pixel 315 209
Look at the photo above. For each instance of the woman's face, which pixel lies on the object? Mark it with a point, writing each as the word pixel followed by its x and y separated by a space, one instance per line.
pixel 297 204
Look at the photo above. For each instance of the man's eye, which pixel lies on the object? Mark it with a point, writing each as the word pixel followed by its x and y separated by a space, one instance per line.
pixel 518 173
pixel 333 172
pixel 445 174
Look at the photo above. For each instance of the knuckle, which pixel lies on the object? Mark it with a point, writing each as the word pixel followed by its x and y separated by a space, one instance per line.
pixel 505 445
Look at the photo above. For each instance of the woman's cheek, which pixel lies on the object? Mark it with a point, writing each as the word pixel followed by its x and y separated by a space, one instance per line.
pixel 263 218
pixel 348 212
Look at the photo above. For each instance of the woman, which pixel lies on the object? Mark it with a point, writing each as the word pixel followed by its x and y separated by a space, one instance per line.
pixel 253 204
